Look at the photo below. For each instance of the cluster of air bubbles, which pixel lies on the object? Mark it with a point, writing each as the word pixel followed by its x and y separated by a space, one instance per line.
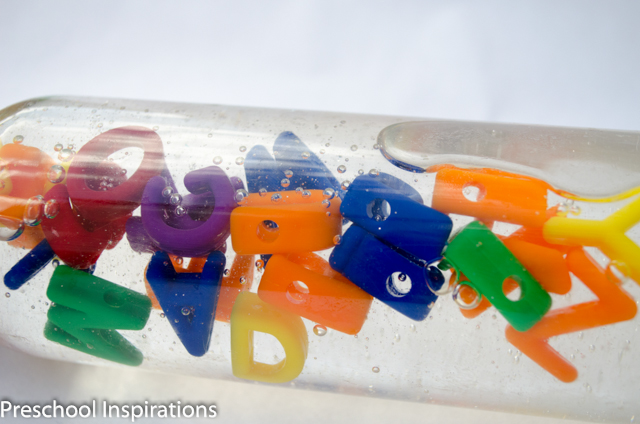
pixel 18 139
pixel 56 174
pixel 319 330
pixel 241 196
pixel 568 207
pixel 217 160
pixel 65 154
pixel 342 169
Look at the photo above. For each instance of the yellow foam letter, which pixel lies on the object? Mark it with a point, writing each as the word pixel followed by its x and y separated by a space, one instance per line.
pixel 251 314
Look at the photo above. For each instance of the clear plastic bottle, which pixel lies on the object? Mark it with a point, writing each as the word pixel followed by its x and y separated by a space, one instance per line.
pixel 365 194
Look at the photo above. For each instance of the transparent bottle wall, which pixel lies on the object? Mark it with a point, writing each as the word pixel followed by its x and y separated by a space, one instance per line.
pixel 429 239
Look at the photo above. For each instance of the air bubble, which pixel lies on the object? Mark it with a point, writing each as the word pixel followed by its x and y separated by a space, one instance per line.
pixel 288 173
pixel 55 263
pixel 33 211
pixel 396 337
pixel 285 182
pixel 326 203
pixel 354 148
pixel 319 330
pixel 376 146
pixel 175 199
pixel 65 155
pixel 243 149
pixel 186 310
pixel 464 299
pixel 617 272
pixel 306 155
pixel 439 281
pixel 259 264
pixel 360 171
pixel 592 348
pixel 239 160
pixel 375 369
pixel 276 197
pixel 337 239
pixel 374 172
pixel 167 191
pixel 243 280
pixel 51 208
pixel 180 211
pixel 217 160
pixel 342 169
pixel 241 196
pixel 328 193
pixel 58 147
pixel 56 174
pixel 306 193
pixel 18 139
pixel 262 192
pixel 345 184
pixel 7 294
pixel 299 190
pixel 226 272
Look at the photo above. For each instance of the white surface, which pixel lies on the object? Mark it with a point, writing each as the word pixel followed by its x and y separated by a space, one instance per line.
pixel 560 63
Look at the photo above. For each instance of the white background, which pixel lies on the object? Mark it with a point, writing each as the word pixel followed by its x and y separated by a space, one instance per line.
pixel 570 63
